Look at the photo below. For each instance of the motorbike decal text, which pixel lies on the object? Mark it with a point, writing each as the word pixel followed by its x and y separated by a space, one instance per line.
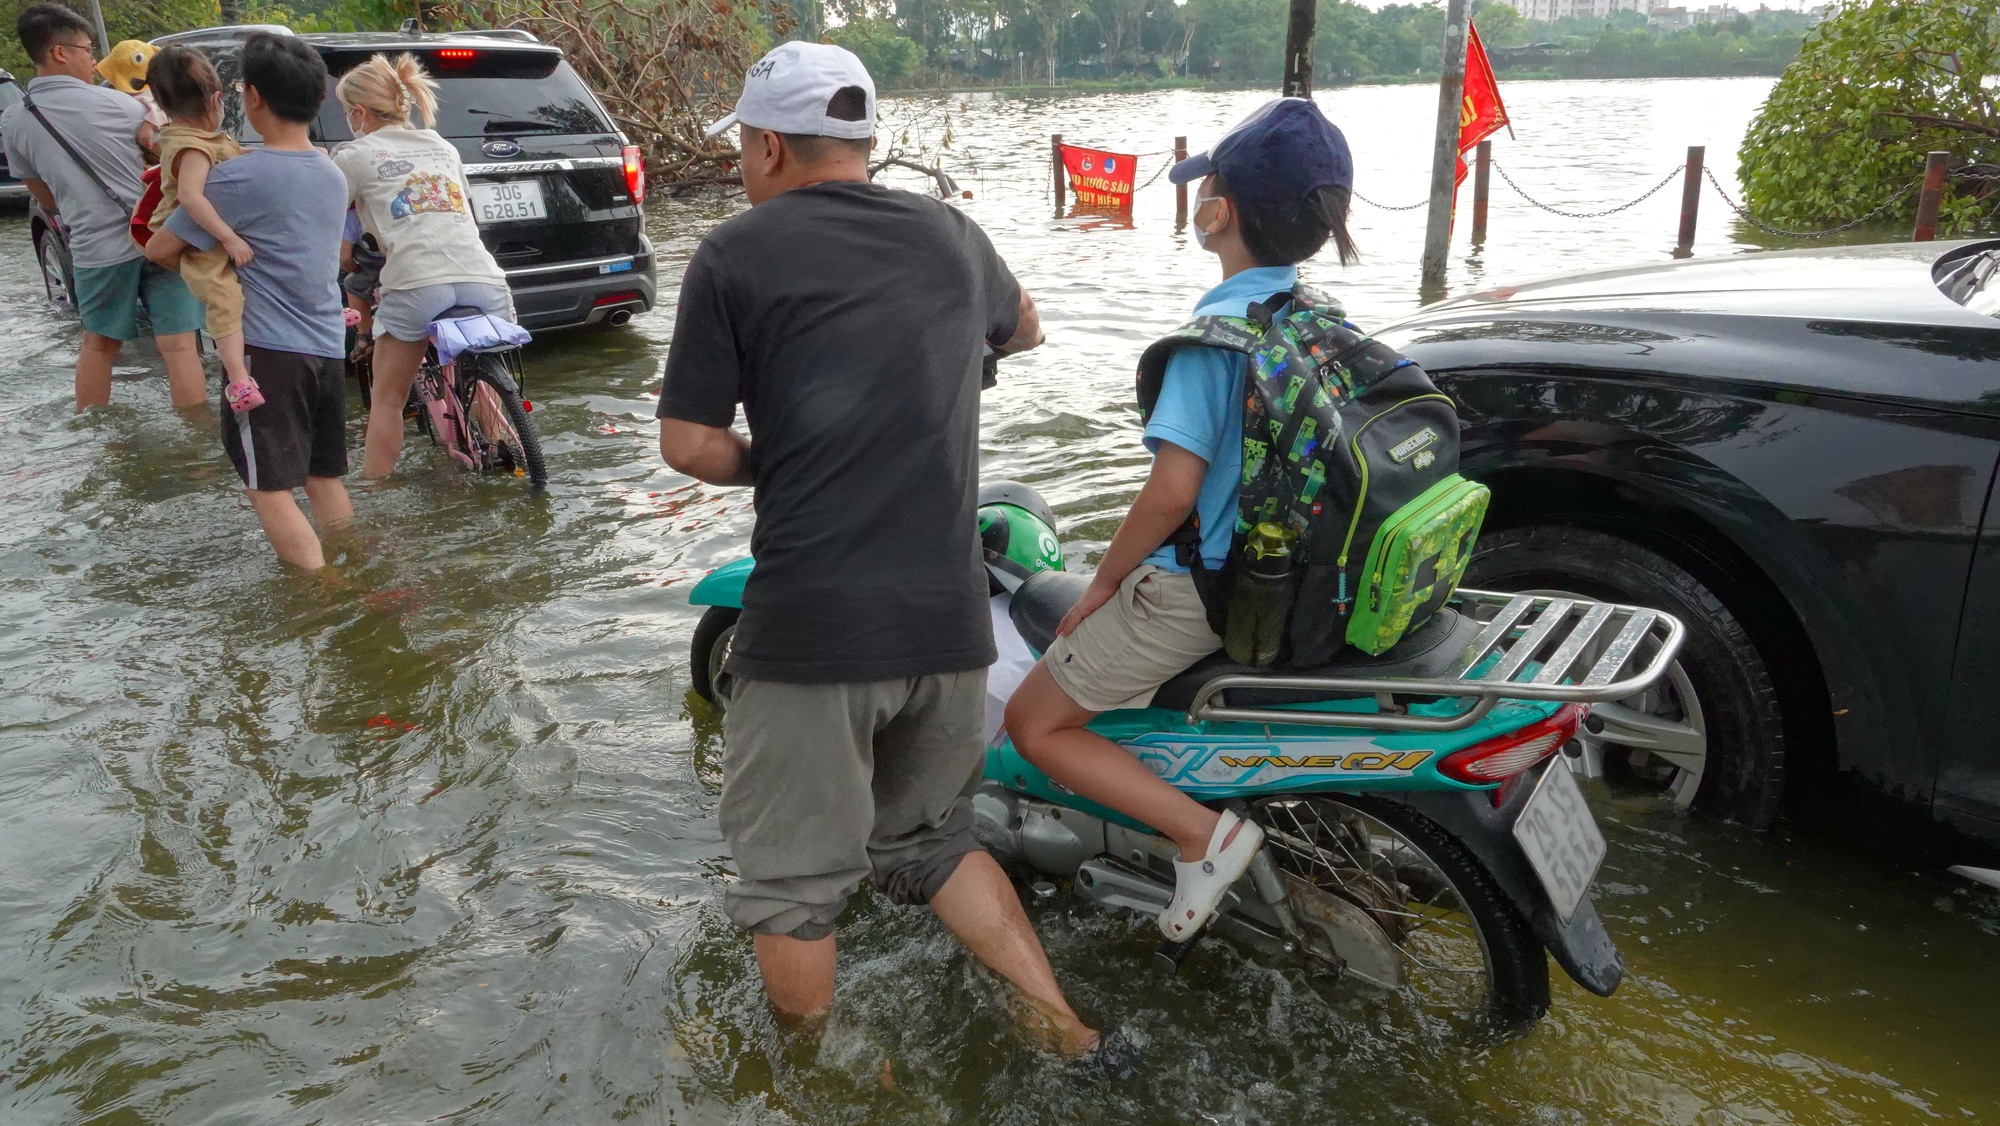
pixel 1359 760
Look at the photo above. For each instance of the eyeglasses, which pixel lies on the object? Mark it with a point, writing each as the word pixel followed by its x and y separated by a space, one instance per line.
pixel 85 47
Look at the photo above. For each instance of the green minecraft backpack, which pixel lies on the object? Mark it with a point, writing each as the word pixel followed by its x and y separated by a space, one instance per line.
pixel 1350 467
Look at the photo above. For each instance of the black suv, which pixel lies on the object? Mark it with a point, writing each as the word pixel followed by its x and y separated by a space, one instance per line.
pixel 555 187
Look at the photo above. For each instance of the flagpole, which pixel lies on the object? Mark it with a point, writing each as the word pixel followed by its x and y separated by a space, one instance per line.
pixel 1444 153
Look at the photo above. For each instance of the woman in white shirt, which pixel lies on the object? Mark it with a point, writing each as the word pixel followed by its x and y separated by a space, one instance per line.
pixel 408 188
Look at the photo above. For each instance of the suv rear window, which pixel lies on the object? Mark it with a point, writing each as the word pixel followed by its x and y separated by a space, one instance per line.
pixel 9 93
pixel 487 93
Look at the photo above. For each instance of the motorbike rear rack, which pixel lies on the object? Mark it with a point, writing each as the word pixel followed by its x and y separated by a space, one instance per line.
pixel 1530 647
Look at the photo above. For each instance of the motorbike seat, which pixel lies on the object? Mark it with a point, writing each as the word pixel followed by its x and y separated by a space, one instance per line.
pixel 1038 607
pixel 1431 650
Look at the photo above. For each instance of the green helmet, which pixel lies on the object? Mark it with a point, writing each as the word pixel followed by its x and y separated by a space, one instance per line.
pixel 1019 537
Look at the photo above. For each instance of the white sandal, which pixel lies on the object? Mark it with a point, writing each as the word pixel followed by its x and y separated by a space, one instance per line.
pixel 1200 885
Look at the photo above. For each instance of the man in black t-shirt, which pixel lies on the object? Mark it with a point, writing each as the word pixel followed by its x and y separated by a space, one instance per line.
pixel 850 321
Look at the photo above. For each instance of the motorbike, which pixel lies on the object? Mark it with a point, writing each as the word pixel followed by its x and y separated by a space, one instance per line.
pixel 1423 833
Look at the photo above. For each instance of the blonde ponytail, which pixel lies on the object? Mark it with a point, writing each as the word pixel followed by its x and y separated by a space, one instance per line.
pixel 397 91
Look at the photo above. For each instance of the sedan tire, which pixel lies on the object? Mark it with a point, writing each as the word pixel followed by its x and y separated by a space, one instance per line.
pixel 1725 744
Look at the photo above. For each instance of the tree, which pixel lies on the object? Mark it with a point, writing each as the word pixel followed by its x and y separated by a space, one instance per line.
pixel 1499 25
pixel 890 57
pixel 1875 88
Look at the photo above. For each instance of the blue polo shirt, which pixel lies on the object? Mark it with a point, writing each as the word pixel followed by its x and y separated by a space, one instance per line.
pixel 1201 411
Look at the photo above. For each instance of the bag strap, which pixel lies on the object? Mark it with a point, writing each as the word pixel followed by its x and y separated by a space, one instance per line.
pixel 28 101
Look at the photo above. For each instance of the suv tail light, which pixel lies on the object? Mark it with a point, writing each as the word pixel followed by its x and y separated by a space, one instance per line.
pixel 1504 756
pixel 635 174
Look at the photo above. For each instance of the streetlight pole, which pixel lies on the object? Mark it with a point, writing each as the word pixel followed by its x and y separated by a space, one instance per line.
pixel 1444 152
pixel 103 40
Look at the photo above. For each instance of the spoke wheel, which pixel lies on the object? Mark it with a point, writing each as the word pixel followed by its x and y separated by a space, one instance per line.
pixel 1467 956
pixel 503 436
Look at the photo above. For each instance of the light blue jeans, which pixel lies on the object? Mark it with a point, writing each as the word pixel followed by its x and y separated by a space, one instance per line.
pixel 406 314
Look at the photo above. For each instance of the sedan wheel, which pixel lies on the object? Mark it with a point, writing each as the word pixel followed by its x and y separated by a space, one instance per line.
pixel 1658 738
pixel 54 260
pixel 1710 736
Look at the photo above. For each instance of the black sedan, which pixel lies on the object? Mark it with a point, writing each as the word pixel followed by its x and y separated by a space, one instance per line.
pixel 1793 452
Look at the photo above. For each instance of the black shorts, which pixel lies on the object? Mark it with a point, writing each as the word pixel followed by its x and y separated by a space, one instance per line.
pixel 299 432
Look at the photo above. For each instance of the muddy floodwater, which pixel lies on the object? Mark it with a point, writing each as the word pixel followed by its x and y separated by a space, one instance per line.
pixel 434 840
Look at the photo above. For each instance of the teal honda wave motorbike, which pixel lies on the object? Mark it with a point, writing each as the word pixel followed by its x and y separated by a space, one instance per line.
pixel 1423 833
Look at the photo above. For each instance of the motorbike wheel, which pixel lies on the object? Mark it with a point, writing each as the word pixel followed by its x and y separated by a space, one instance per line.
pixel 710 649
pixel 1467 954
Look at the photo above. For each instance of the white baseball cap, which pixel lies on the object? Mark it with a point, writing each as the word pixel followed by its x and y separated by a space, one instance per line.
pixel 789 88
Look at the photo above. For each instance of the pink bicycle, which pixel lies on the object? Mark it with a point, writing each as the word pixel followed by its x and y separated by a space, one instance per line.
pixel 472 406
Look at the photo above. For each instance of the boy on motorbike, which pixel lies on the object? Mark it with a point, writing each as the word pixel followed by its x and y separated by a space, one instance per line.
pixel 1273 191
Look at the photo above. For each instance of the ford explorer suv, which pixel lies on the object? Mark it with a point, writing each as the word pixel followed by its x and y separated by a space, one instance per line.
pixel 555 187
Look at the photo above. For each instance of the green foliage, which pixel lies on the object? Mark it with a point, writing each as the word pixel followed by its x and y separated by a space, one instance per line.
pixel 1876 87
pixel 889 55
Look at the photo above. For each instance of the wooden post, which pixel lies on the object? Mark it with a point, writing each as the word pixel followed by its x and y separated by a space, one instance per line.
pixel 1691 195
pixel 1062 178
pixel 1444 151
pixel 1180 190
pixel 1932 197
pixel 1299 48
pixel 1482 181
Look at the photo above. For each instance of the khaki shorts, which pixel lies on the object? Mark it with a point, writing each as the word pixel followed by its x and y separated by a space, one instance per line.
pixel 1150 633
pixel 827 785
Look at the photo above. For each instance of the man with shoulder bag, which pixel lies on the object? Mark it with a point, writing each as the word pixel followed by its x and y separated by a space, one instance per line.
pixel 76 146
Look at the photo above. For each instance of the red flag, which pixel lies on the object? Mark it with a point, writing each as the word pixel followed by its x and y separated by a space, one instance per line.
pixel 1100 179
pixel 1481 114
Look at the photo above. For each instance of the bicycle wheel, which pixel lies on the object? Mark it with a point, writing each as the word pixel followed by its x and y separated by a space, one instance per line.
pixel 1467 954
pixel 503 437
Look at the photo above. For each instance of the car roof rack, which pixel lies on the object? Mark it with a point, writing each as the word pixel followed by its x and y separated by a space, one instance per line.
pixel 225 33
pixel 518 35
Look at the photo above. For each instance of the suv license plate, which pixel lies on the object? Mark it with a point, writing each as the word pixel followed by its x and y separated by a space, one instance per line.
pixel 1561 839
pixel 508 201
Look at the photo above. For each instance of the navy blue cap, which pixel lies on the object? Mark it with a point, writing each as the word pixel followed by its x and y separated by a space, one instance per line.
pixel 1276 157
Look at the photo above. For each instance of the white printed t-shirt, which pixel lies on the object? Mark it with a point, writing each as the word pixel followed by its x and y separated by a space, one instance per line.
pixel 409 188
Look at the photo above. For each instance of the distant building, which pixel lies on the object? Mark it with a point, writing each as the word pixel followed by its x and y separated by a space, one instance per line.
pixel 1549 11
pixel 1680 19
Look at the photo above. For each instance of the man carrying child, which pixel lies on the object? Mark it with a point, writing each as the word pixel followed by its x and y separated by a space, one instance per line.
pixel 287 202
pixel 80 158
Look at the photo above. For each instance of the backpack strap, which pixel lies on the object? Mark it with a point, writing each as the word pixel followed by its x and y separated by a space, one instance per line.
pixel 1230 334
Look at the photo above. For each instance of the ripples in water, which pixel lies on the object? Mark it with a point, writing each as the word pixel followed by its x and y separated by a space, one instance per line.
pixel 434 839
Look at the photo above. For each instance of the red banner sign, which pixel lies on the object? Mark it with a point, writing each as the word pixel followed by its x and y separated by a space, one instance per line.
pixel 1099 178
pixel 1481 114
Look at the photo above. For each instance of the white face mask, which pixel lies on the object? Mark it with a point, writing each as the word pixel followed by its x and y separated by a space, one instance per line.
pixel 1201 236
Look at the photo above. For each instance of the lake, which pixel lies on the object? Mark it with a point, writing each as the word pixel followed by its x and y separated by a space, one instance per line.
pixel 434 839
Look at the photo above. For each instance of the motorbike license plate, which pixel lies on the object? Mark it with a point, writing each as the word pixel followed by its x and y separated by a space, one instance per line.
pixel 1561 839
pixel 508 201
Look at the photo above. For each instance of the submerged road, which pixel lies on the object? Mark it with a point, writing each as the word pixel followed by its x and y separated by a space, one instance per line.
pixel 433 838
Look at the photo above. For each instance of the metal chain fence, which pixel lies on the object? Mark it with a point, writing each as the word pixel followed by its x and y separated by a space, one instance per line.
pixel 1744 213
pixel 1650 193
pixel 1386 207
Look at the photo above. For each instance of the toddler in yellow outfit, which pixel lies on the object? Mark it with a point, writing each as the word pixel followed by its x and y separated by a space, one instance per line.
pixel 186 86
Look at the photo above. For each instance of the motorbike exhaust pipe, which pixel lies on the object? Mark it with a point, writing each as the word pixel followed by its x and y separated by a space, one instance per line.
pixel 619 318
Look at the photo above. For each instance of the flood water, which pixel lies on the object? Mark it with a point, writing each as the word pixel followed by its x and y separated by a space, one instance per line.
pixel 434 840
